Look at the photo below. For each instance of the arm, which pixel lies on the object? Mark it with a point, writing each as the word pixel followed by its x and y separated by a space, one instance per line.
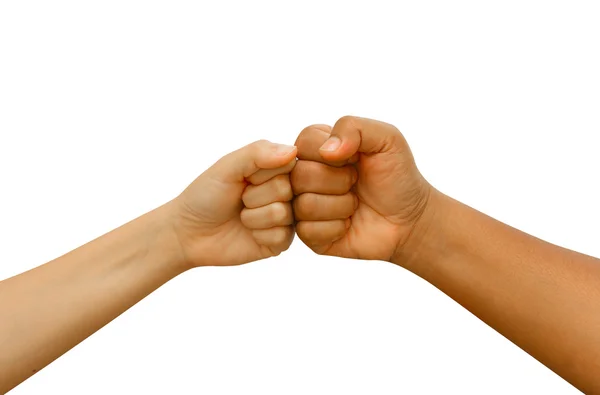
pixel 360 195
pixel 544 298
pixel 242 200
pixel 48 310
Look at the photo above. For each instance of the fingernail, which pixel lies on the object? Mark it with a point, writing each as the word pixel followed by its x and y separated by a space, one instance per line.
pixel 331 144
pixel 282 149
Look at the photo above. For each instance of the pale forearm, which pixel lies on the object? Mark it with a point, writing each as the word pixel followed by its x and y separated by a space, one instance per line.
pixel 46 311
pixel 542 297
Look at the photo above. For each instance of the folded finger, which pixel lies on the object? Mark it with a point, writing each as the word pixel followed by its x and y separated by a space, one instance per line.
pixel 315 207
pixel 278 239
pixel 310 141
pixel 277 189
pixel 320 233
pixel 269 216
pixel 264 175
pixel 309 176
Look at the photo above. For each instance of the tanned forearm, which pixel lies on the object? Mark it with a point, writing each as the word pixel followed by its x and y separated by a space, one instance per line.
pixel 46 311
pixel 544 298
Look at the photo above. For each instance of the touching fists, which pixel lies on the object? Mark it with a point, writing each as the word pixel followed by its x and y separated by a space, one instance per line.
pixel 356 193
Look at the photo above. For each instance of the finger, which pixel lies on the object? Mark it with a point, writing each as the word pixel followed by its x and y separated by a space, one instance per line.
pixel 308 176
pixel 246 161
pixel 319 233
pixel 352 134
pixel 277 189
pixel 311 139
pixel 278 239
pixel 274 214
pixel 265 175
pixel 315 207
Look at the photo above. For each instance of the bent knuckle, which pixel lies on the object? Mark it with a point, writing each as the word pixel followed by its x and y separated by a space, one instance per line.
pixel 260 143
pixel 287 242
pixel 283 187
pixel 258 146
pixel 279 236
pixel 300 176
pixel 279 212
pixel 305 206
pixel 310 203
pixel 303 230
pixel 309 131
pixel 347 121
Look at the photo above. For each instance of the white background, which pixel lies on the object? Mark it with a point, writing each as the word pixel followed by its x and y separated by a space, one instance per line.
pixel 108 109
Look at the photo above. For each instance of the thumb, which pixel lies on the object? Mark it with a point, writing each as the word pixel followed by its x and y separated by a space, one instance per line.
pixel 353 134
pixel 244 162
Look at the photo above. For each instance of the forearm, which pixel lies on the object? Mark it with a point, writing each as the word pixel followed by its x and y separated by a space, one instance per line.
pixel 544 298
pixel 46 311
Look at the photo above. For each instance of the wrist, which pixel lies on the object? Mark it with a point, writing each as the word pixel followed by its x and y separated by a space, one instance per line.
pixel 163 236
pixel 427 235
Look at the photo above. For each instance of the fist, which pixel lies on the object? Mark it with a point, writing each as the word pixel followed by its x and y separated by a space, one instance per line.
pixel 358 193
pixel 238 210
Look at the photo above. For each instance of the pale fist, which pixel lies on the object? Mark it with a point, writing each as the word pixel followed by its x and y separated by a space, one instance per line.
pixel 359 193
pixel 238 210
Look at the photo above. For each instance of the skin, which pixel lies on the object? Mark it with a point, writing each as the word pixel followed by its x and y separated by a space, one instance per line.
pixel 360 195
pixel 243 200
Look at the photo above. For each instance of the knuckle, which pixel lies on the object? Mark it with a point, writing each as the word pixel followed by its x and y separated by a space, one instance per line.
pixel 287 241
pixel 347 121
pixel 283 187
pixel 259 145
pixel 310 203
pixel 279 236
pixel 299 176
pixel 307 232
pixel 279 212
pixel 307 132
pixel 305 205
pixel 303 231
pixel 307 137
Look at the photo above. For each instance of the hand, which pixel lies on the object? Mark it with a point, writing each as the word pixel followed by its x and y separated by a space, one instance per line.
pixel 238 210
pixel 359 192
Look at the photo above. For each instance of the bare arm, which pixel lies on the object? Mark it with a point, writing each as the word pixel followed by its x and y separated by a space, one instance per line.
pixel 241 201
pixel 46 311
pixel 361 177
pixel 544 298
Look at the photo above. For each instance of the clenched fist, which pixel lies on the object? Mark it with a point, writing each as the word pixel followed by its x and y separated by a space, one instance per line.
pixel 238 210
pixel 358 191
